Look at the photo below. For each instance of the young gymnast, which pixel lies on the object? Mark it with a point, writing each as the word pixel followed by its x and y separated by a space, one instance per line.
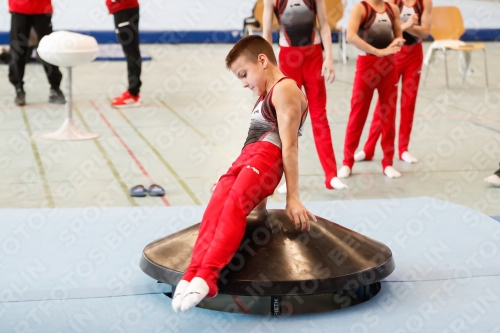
pixel 301 58
pixel 374 28
pixel 416 18
pixel 271 147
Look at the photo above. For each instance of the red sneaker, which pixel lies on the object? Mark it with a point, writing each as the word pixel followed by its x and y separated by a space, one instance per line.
pixel 126 100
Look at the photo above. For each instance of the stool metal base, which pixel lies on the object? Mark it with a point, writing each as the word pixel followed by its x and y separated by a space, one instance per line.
pixel 69 132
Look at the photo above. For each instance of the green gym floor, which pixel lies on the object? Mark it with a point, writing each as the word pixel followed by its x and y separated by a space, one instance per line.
pixel 193 122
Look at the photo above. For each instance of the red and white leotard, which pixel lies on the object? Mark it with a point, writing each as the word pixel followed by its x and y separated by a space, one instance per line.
pixel 376 28
pixel 297 20
pixel 264 122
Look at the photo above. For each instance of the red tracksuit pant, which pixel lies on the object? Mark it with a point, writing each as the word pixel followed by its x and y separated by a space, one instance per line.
pixel 303 64
pixel 409 64
pixel 372 73
pixel 251 178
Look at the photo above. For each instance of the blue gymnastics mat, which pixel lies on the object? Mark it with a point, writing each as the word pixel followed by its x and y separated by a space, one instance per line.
pixel 114 52
pixel 107 52
pixel 66 270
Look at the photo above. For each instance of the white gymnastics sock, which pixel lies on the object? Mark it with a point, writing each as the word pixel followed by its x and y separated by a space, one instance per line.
pixel 344 172
pixel 282 189
pixel 195 293
pixel 337 184
pixel 390 172
pixel 179 293
pixel 360 156
pixel 493 179
pixel 408 158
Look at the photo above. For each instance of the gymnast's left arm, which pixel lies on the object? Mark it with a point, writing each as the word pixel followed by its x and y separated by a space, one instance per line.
pixel 287 101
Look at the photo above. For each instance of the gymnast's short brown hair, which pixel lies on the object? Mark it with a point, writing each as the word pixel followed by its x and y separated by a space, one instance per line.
pixel 250 46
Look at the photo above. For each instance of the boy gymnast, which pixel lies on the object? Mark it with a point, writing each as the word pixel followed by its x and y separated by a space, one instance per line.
pixel 271 147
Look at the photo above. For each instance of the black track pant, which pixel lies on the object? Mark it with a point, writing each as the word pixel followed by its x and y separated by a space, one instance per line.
pixel 20 26
pixel 127 33
pixel 497 172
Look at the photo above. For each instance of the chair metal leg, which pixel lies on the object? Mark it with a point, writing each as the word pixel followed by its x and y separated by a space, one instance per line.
pixel 339 38
pixel 344 46
pixel 426 73
pixel 485 68
pixel 446 68
pixel 466 70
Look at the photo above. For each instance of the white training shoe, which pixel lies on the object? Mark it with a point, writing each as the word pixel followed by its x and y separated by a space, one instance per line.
pixel 282 189
pixel 179 294
pixel 194 294
pixel 344 172
pixel 360 156
pixel 408 158
pixel 337 184
pixel 390 172
pixel 493 179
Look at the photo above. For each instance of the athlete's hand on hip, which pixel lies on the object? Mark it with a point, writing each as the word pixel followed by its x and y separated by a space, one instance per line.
pixel 328 71
pixel 394 47
pixel 299 215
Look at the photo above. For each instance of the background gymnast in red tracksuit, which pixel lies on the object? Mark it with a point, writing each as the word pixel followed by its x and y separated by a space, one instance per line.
pixel 126 17
pixel 416 18
pixel 301 58
pixel 271 147
pixel 374 28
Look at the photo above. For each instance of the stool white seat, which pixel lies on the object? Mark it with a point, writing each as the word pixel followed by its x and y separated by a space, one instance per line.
pixel 68 49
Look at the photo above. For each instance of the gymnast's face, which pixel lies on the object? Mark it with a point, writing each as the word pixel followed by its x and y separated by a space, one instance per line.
pixel 251 74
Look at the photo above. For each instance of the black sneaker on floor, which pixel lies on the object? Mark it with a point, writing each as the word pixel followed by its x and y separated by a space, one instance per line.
pixel 56 96
pixel 20 99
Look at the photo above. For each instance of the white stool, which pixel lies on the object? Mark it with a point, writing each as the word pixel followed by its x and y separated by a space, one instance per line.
pixel 68 49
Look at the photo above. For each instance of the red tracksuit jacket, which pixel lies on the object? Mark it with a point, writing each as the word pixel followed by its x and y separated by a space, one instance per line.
pixel 30 7
pixel 117 5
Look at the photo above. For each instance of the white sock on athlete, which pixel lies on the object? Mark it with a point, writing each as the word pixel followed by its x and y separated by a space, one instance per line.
pixel 344 172
pixel 195 293
pixel 179 293
pixel 282 189
pixel 360 156
pixel 390 172
pixel 493 179
pixel 337 184
pixel 408 158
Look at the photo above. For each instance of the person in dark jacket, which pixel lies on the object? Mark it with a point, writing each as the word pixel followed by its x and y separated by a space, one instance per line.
pixel 27 14
pixel 126 15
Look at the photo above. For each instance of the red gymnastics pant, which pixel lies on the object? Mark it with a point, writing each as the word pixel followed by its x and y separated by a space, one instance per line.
pixel 372 73
pixel 250 179
pixel 409 64
pixel 303 64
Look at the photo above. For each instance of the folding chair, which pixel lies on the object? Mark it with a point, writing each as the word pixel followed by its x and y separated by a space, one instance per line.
pixel 253 25
pixel 447 28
